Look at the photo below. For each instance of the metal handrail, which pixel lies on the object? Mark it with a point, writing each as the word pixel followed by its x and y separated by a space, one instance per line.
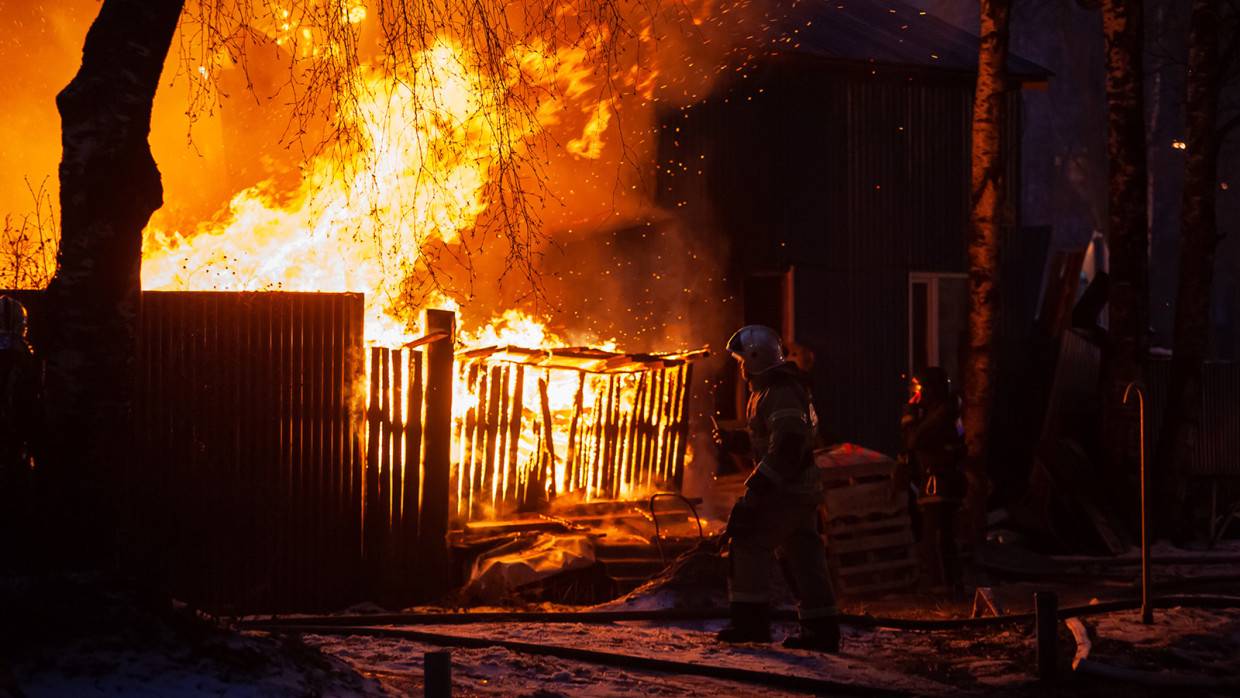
pixel 658 540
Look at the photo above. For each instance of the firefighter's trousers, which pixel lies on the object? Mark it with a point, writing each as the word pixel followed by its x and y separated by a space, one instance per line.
pixel 787 525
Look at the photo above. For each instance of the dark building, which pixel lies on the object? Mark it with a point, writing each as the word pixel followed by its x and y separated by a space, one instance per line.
pixel 837 173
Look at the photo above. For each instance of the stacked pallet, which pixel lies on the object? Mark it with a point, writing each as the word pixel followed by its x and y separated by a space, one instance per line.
pixel 870 543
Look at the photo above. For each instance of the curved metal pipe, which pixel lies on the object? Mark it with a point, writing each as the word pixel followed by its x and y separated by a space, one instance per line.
pixel 1147 608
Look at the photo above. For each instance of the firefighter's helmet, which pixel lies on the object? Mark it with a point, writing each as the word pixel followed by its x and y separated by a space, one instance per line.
pixel 12 316
pixel 757 347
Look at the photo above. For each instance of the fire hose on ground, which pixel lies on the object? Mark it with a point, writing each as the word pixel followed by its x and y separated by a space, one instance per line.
pixel 677 615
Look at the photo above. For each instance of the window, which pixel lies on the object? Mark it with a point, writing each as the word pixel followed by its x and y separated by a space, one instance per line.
pixel 938 306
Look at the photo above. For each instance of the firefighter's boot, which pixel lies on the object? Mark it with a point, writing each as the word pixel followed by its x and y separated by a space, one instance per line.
pixel 818 634
pixel 751 622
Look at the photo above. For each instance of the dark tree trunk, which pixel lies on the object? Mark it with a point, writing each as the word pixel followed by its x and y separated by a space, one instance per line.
pixel 109 187
pixel 1198 239
pixel 988 188
pixel 1127 239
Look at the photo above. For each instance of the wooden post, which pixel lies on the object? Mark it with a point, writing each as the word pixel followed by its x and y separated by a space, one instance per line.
pixel 1046 605
pixel 437 667
pixel 437 450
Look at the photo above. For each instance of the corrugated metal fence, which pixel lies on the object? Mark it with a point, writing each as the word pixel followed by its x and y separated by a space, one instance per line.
pixel 264 483
pixel 249 479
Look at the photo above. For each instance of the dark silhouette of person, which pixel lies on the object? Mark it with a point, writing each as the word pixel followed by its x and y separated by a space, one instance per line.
pixel 934 452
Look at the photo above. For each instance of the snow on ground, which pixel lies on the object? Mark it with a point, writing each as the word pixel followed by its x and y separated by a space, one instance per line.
pixel 959 662
pixel 1184 640
pixel 899 661
pixel 499 672
pixel 966 662
pixel 87 635
pixel 243 666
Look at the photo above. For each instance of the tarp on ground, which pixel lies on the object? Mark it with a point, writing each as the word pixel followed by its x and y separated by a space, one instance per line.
pixel 499 573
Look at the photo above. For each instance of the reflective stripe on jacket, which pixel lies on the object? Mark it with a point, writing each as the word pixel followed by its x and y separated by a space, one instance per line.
pixel 782 428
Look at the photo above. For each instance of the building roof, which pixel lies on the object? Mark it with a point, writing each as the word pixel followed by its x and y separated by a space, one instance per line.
pixel 889 32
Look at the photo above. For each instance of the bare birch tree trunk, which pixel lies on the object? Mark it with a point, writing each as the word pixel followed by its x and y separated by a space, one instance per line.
pixel 1198 238
pixel 988 187
pixel 109 187
pixel 1127 237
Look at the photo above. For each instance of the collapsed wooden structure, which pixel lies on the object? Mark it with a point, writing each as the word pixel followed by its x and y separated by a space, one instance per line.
pixel 622 430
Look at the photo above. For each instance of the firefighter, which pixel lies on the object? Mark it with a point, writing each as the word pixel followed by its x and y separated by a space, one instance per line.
pixel 19 393
pixel 934 451
pixel 779 511
pixel 19 410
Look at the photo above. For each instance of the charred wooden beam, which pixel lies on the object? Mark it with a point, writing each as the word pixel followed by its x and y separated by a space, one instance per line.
pixel 486 478
pixel 682 430
pixel 502 465
pixel 514 436
pixel 546 476
pixel 570 459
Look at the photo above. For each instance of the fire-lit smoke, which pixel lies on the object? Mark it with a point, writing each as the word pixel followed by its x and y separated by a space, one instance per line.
pixel 431 136
pixel 341 145
pixel 497 159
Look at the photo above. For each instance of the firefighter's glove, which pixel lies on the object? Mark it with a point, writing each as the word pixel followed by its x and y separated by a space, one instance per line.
pixel 730 440
pixel 743 521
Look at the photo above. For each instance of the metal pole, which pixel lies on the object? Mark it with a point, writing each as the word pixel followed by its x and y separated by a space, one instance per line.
pixel 1147 606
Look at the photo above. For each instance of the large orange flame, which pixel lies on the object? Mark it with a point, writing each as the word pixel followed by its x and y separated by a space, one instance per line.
pixel 429 139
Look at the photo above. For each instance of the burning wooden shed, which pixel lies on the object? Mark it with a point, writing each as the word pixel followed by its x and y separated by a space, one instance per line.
pixel 836 172
pixel 536 424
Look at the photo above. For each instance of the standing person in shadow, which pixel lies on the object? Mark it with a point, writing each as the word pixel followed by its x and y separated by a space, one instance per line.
pixel 934 451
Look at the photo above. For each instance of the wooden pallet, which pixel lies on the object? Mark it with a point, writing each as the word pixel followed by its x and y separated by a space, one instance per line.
pixel 858 483
pixel 871 553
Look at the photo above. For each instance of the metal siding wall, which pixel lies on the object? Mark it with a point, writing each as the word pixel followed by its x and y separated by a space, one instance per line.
pixel 244 415
pixel 857 181
pixel 904 195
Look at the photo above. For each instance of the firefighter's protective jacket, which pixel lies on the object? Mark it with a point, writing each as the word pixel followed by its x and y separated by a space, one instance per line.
pixel 782 428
